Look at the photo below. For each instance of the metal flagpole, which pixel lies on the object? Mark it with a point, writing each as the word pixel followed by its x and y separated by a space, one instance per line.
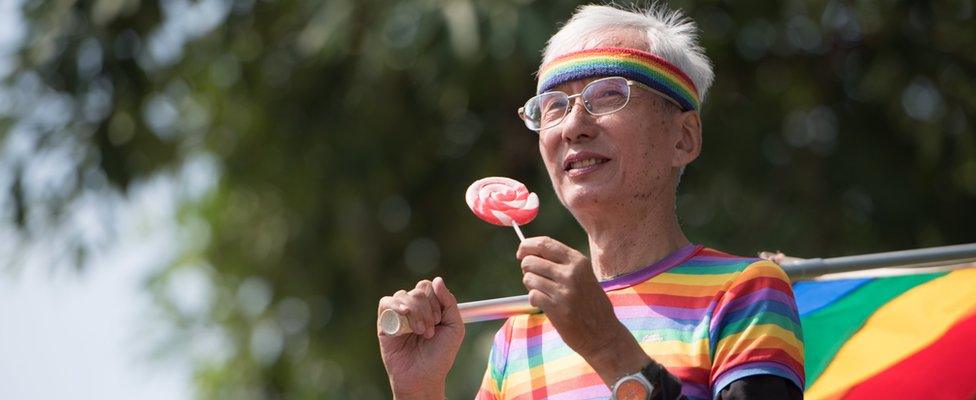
pixel 798 269
pixel 918 258
pixel 487 310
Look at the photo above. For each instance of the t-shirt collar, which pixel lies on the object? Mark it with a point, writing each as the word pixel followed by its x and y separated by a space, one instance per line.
pixel 670 261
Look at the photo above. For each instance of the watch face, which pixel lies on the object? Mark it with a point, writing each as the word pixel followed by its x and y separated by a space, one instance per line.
pixel 631 389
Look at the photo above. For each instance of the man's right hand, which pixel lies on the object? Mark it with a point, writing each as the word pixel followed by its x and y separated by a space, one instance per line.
pixel 417 363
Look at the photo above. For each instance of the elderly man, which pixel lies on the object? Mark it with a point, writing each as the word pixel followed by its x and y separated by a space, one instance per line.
pixel 648 314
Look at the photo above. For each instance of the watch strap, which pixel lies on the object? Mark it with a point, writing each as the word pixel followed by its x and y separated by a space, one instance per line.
pixel 666 386
pixel 653 371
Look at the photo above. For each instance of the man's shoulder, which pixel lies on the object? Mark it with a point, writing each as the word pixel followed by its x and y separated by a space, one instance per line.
pixel 714 265
pixel 709 261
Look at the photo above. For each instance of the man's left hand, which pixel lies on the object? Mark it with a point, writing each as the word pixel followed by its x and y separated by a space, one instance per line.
pixel 561 283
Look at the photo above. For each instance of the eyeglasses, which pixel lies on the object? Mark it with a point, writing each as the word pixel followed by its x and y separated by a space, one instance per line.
pixel 600 97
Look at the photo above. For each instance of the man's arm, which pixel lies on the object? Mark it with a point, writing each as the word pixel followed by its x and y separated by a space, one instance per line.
pixel 757 332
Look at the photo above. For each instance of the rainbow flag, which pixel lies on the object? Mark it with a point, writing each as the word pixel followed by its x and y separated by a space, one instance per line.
pixel 906 337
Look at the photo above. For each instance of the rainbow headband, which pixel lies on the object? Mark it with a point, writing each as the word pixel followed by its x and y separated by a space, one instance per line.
pixel 641 66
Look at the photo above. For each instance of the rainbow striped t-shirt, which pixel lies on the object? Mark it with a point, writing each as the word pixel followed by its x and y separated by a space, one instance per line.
pixel 709 317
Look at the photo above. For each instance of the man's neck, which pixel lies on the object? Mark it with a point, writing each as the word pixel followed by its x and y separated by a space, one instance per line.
pixel 630 240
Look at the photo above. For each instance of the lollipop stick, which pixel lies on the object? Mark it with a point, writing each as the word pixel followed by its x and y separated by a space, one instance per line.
pixel 518 231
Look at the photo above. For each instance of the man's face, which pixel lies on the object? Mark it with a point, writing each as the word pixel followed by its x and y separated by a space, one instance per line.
pixel 634 148
pixel 595 162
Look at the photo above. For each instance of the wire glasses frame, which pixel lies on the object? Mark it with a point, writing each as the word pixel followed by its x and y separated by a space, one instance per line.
pixel 600 97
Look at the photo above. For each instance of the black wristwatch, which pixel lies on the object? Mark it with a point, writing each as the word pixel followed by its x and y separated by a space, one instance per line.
pixel 639 385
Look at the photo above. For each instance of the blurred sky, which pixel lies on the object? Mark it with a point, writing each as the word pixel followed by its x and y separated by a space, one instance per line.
pixel 91 333
pixel 84 334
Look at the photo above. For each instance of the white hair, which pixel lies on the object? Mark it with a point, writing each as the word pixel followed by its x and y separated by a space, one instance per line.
pixel 668 34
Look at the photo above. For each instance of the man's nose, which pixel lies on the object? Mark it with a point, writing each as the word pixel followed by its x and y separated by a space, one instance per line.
pixel 578 123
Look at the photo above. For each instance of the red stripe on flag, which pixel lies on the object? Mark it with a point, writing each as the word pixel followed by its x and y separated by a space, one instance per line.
pixel 943 370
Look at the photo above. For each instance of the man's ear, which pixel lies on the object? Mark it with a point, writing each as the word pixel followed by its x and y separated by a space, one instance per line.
pixel 688 143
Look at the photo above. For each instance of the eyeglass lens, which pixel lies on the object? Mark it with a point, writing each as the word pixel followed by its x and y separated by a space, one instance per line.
pixel 600 97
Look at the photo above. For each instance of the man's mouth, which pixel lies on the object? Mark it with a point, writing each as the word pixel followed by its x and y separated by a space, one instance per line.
pixel 588 162
pixel 581 163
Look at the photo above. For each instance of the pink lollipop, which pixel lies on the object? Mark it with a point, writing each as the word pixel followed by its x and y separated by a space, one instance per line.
pixel 502 201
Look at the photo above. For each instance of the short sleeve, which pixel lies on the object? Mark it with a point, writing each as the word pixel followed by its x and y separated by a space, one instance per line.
pixel 494 379
pixel 755 328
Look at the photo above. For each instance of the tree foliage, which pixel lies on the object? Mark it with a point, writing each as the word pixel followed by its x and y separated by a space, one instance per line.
pixel 345 132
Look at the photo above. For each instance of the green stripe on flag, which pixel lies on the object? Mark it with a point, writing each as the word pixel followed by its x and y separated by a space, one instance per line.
pixel 826 330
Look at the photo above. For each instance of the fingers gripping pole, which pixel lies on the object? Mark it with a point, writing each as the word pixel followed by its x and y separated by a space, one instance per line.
pixel 394 324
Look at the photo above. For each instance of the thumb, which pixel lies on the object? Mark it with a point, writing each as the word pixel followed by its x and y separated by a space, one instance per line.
pixel 450 315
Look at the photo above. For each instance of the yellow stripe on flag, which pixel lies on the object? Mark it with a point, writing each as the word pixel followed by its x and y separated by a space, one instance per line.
pixel 897 330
